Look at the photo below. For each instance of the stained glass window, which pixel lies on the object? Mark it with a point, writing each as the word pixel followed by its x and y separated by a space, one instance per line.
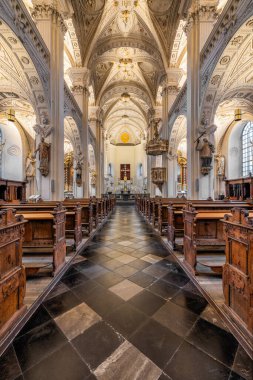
pixel 247 149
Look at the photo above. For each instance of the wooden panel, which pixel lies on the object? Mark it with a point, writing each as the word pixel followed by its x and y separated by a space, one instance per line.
pixel 12 274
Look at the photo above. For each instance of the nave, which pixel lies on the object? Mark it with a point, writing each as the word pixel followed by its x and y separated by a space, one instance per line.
pixel 125 310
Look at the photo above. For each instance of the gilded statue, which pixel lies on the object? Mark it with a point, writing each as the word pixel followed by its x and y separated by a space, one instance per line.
pixel 44 157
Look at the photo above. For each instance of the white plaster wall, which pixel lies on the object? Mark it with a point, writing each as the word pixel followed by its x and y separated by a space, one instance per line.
pixel 133 155
pixel 12 156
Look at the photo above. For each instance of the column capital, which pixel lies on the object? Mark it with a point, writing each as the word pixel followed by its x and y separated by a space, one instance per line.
pixel 59 11
pixel 171 80
pixel 208 12
pixel 96 114
pixel 80 78
pixel 203 11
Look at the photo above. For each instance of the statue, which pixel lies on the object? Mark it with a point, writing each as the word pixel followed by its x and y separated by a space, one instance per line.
pixel 30 165
pixel 206 150
pixel 44 156
pixel 78 170
pixel 220 166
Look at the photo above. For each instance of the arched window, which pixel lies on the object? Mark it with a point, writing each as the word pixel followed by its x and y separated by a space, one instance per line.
pixel 140 170
pixel 247 149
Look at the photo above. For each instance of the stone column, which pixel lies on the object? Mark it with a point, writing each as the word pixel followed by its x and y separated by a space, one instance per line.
pixel 80 88
pixel 49 17
pixel 197 28
pixel 169 94
pixel 95 120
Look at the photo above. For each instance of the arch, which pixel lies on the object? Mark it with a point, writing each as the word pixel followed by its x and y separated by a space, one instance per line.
pixel 71 132
pixel 178 132
pixel 231 69
pixel 21 79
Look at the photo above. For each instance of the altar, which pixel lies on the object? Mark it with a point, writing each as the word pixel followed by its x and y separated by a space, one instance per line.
pixel 125 196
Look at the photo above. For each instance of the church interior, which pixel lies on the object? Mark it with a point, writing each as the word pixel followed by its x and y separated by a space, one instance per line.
pixel 126 189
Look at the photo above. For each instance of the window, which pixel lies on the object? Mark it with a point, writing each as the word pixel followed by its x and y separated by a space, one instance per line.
pixel 140 170
pixel 247 149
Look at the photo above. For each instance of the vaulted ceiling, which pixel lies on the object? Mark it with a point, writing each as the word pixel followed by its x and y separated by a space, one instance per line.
pixel 127 45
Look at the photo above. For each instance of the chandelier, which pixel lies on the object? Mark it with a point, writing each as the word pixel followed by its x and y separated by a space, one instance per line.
pixel 157 146
pixel 125 97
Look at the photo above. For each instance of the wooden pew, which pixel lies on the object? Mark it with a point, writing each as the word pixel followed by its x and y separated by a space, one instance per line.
pixel 45 234
pixel 238 270
pixel 163 204
pixel 86 212
pixel 175 227
pixel 202 232
pixel 73 216
pixel 12 272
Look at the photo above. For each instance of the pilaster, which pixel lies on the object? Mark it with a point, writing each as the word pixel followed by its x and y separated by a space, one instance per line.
pixel 169 94
pixel 95 118
pixel 80 77
pixel 49 16
pixel 198 27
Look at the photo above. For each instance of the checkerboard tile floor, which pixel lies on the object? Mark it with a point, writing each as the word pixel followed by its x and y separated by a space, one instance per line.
pixel 125 310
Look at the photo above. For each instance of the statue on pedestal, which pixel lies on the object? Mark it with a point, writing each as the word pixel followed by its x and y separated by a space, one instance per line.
pixel 78 170
pixel 30 168
pixel 206 150
pixel 44 156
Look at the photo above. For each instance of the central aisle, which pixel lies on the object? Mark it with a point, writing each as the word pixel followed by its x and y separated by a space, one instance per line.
pixel 124 310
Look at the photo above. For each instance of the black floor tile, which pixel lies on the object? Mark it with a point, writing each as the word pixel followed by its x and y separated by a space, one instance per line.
pixel 85 290
pixel 164 377
pixel 191 363
pixel 142 279
pixel 103 301
pixel 70 272
pixel 58 289
pixel 235 376
pixel 147 302
pixel 74 280
pixel 40 316
pixel 97 343
pixel 163 289
pixel 37 344
pixel 109 279
pixel 100 259
pixel 218 343
pixel 83 265
pixel 190 301
pixel 61 303
pixel 9 366
pixel 243 365
pixel 176 318
pixel 126 319
pixel 156 342
pixel 176 279
pixel 139 264
pixel 64 364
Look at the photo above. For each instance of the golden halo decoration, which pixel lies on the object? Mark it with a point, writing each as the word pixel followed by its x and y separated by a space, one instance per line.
pixel 124 137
